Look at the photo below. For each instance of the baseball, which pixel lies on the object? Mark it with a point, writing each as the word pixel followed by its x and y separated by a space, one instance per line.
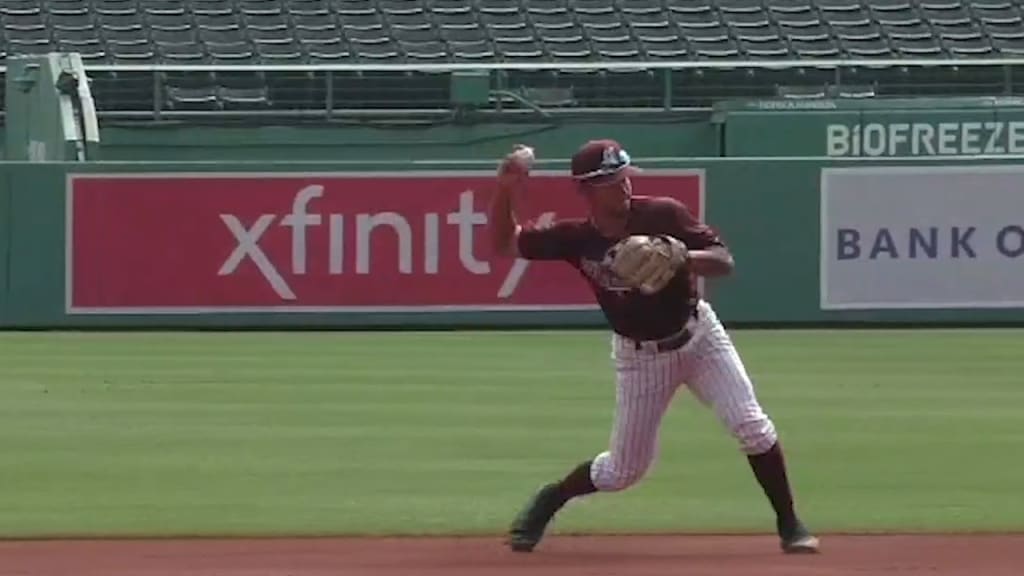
pixel 525 154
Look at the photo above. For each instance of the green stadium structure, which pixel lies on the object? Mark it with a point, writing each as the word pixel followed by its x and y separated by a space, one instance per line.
pixel 594 53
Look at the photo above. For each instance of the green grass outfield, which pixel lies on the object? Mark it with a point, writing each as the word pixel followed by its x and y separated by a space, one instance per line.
pixel 346 433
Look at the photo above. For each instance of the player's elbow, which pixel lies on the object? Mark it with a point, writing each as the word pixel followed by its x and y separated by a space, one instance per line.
pixel 504 240
pixel 716 268
pixel 715 261
pixel 503 250
pixel 503 245
pixel 726 262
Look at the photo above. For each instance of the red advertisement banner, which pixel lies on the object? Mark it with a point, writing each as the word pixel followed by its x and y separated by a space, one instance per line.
pixel 287 242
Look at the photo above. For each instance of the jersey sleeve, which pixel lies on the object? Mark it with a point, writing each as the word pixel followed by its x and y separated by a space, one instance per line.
pixel 696 234
pixel 559 241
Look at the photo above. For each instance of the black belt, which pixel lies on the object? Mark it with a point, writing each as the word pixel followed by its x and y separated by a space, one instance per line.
pixel 673 342
pixel 669 343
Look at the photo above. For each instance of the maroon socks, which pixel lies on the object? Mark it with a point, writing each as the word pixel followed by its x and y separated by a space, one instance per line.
pixel 576 483
pixel 770 470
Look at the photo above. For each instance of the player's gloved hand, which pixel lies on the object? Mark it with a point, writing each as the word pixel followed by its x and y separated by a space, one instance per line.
pixel 648 263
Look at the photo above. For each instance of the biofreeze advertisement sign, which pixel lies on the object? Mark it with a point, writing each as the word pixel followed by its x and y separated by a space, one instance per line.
pixel 925 138
pixel 922 237
pixel 338 242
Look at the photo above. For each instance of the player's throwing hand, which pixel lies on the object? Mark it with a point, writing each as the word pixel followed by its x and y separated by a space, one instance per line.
pixel 516 166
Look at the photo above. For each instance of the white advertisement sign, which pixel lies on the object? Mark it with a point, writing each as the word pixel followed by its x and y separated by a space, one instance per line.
pixel 922 237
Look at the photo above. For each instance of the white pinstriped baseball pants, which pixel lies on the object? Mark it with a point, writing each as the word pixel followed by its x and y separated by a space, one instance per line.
pixel 646 382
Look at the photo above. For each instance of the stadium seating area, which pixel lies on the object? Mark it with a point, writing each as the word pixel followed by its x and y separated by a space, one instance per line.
pixel 233 32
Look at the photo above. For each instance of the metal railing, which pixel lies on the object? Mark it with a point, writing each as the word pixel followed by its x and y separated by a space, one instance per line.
pixel 546 88
pixel 576 66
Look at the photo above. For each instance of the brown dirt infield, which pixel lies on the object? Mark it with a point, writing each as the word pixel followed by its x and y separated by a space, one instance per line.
pixel 934 555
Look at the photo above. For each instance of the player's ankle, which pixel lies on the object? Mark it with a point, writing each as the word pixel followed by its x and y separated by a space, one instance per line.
pixel 787 522
pixel 577 482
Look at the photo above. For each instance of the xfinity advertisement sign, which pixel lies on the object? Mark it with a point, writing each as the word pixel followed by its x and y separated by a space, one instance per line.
pixel 922 237
pixel 315 242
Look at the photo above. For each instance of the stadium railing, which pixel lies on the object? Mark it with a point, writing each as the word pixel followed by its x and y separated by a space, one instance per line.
pixel 549 88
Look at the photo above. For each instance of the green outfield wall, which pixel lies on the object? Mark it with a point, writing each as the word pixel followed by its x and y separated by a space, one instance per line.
pixel 377 140
pixel 292 244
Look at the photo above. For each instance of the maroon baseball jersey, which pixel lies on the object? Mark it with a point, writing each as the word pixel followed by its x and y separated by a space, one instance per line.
pixel 630 312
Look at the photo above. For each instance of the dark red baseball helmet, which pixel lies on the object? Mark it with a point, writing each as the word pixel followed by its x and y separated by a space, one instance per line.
pixel 601 162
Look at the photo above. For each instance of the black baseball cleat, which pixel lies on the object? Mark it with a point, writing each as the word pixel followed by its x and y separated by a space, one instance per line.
pixel 797 539
pixel 528 527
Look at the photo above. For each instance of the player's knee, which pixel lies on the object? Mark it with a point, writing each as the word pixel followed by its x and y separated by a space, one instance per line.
pixel 756 435
pixel 622 478
pixel 612 475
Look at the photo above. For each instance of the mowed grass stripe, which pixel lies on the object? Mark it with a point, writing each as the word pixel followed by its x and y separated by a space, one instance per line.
pixel 242 433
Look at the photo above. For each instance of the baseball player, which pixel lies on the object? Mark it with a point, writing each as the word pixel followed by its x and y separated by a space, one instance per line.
pixel 641 256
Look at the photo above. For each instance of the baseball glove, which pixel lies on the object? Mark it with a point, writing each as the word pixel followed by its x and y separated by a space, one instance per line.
pixel 648 263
